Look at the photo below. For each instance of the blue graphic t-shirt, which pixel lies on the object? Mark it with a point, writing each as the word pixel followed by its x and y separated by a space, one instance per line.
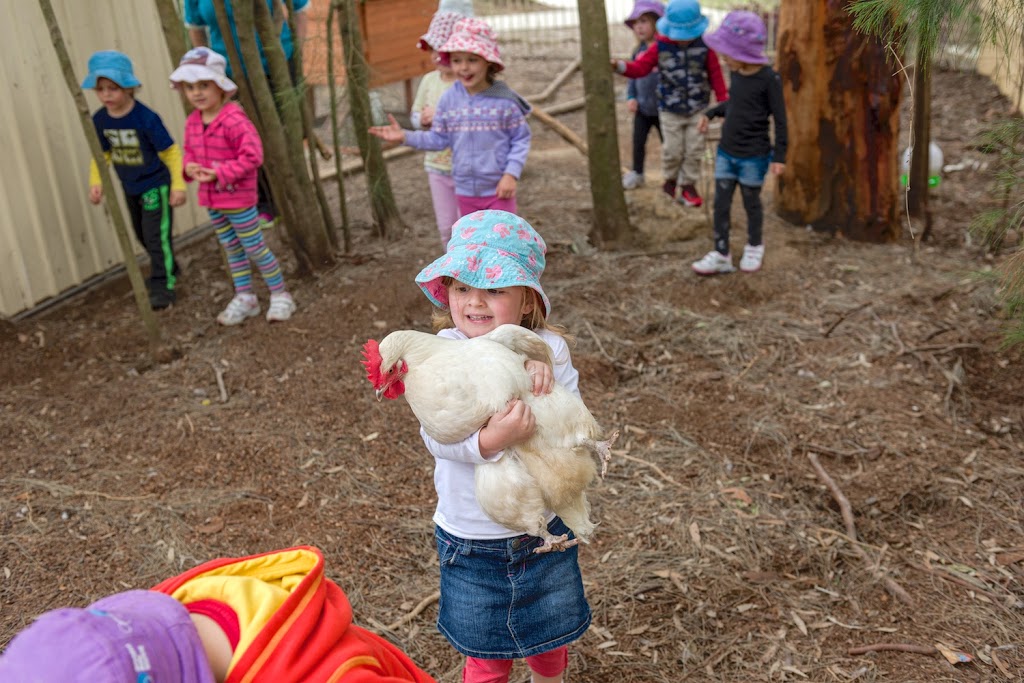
pixel 133 141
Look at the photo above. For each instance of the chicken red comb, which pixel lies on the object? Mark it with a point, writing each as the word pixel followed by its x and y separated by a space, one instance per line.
pixel 371 354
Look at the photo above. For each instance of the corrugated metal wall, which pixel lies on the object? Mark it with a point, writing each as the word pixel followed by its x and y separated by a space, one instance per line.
pixel 51 237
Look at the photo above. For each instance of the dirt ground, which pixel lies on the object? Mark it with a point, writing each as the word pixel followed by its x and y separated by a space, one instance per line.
pixel 721 554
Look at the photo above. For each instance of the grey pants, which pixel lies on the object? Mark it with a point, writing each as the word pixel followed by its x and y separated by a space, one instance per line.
pixel 682 148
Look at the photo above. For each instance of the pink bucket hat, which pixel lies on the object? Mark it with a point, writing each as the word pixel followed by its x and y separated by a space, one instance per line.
pixel 124 638
pixel 488 250
pixel 741 36
pixel 476 37
pixel 439 31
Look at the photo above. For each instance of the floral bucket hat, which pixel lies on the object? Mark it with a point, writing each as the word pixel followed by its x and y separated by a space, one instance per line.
pixel 741 36
pixel 476 37
pixel 488 250
pixel 439 30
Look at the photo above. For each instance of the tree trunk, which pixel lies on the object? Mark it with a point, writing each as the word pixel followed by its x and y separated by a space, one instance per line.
pixel 306 107
pixel 174 29
pixel 332 86
pixel 842 102
pixel 357 77
pixel 917 177
pixel 158 350
pixel 282 138
pixel 611 219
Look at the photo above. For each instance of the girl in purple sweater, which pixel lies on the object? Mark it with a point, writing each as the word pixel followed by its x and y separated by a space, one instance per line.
pixel 223 152
pixel 481 119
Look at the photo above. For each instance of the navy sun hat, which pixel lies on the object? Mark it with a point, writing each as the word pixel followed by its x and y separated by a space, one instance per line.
pixel 113 65
pixel 682 20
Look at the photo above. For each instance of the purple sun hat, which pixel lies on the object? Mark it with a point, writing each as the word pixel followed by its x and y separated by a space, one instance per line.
pixel 137 635
pixel 742 36
pixel 488 250
pixel 642 7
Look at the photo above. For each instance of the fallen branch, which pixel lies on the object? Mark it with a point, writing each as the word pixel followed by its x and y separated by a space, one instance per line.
pixel 423 604
pixel 557 82
pixel 654 467
pixel 851 530
pixel 560 128
pixel 843 317
pixel 897 647
pixel 219 372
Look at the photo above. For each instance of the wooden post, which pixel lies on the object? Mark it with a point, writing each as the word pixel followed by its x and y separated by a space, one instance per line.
pixel 332 87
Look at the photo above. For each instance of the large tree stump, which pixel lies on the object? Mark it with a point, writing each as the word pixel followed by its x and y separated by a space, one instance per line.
pixel 842 92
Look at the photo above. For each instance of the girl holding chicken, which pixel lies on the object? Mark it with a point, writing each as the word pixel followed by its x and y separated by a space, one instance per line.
pixel 500 599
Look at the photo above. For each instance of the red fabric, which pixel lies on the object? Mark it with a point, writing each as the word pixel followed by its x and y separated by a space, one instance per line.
pixel 716 78
pixel 548 664
pixel 231 146
pixel 311 638
pixel 221 613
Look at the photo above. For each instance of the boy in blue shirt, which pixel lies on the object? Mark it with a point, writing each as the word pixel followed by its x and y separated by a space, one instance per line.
pixel 147 161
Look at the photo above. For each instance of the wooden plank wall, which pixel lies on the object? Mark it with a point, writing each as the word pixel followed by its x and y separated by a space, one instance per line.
pixel 390 29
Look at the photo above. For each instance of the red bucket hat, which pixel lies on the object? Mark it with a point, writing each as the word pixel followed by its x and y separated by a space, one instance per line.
pixel 476 37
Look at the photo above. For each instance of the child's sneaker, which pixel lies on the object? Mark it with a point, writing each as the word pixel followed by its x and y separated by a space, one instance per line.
pixel 752 257
pixel 632 180
pixel 669 188
pixel 688 195
pixel 267 220
pixel 713 263
pixel 282 305
pixel 242 306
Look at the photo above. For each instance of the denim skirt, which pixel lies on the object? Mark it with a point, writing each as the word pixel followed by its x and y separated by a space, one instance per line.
pixel 501 601
pixel 749 171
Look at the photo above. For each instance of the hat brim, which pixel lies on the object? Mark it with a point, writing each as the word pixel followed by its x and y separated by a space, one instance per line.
pixel 720 45
pixel 680 32
pixel 431 278
pixel 193 73
pixel 119 77
pixel 446 58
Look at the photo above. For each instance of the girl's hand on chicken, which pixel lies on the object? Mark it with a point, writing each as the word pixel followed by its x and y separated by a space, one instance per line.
pixel 542 376
pixel 391 133
pixel 514 424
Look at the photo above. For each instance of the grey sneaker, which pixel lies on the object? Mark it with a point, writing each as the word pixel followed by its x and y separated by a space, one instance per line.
pixel 632 180
pixel 241 307
pixel 282 305
pixel 713 263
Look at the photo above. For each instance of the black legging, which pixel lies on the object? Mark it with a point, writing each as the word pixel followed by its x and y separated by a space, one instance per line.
pixel 642 124
pixel 724 189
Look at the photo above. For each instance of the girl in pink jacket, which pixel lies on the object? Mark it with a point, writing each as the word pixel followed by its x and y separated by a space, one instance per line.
pixel 223 152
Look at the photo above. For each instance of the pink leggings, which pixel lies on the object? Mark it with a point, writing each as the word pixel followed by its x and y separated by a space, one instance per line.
pixel 446 205
pixel 548 664
pixel 468 205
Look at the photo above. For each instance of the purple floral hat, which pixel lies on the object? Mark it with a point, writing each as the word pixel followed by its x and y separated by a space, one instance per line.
pixel 127 637
pixel 488 250
pixel 741 36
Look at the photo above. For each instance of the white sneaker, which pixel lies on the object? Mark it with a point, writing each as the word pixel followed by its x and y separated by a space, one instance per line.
pixel 752 257
pixel 241 307
pixel 282 305
pixel 632 180
pixel 713 263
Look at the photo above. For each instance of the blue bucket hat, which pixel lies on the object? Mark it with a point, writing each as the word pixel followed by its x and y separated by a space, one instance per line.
pixel 682 20
pixel 113 65
pixel 488 250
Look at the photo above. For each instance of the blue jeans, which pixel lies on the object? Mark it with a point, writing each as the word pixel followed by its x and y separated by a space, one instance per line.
pixel 749 173
pixel 499 600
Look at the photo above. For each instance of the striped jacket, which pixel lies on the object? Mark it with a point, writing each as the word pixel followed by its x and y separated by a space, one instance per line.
pixel 231 146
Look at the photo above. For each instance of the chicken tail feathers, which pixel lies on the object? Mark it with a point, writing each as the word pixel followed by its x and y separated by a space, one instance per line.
pixel 371 361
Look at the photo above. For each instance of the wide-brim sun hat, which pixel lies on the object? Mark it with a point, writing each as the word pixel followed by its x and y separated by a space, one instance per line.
pixel 488 250
pixel 137 635
pixel 742 36
pixel 461 7
pixel 682 21
pixel 439 31
pixel 476 37
pixel 112 65
pixel 642 7
pixel 203 64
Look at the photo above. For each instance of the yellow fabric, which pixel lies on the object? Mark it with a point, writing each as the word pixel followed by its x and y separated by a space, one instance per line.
pixel 255 589
pixel 94 170
pixel 172 160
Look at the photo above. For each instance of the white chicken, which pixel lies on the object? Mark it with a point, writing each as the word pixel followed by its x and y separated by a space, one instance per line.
pixel 455 386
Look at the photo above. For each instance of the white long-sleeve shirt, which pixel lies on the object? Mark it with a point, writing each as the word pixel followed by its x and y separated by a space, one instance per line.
pixel 458 511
